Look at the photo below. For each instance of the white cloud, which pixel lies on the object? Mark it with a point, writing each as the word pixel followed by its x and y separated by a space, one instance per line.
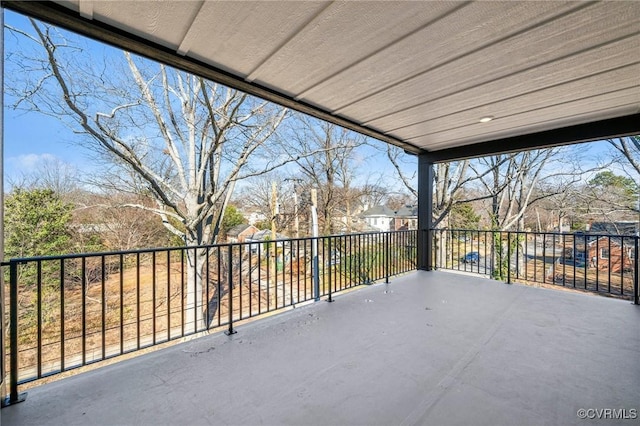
pixel 26 163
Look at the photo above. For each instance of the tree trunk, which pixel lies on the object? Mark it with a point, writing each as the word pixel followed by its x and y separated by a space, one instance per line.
pixel 195 307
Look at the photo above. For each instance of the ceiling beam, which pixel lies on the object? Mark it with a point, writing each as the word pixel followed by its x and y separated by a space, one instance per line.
pixel 588 132
pixel 63 17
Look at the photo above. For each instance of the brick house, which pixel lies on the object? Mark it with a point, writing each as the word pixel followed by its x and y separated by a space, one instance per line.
pixel 611 252
pixel 239 233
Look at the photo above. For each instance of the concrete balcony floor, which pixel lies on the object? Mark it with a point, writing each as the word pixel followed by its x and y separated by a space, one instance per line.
pixel 435 348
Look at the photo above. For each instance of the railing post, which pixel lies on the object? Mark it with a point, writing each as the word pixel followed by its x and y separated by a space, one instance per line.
pixel 330 299
pixel 495 255
pixel 388 256
pixel 14 397
pixel 636 277
pixel 315 268
pixel 508 257
pixel 230 330
pixel 13 331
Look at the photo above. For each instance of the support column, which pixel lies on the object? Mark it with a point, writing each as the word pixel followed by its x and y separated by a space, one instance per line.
pixel 425 212
pixel 2 299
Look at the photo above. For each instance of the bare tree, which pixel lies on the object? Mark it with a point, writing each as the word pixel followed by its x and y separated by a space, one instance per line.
pixel 97 216
pixel 396 157
pixel 331 170
pixel 511 181
pixel 560 200
pixel 257 196
pixel 450 180
pixel 374 194
pixel 50 173
pixel 182 139
pixel 628 149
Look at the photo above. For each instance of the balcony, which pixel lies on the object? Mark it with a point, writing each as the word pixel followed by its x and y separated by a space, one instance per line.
pixel 407 347
pixel 428 348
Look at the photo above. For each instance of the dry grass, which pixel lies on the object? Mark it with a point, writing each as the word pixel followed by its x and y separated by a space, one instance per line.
pixel 142 304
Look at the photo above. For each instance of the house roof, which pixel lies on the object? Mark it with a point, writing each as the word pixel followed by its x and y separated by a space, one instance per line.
pixel 378 211
pixel 614 228
pixel 238 229
pixel 265 235
pixel 407 211
pixel 604 241
pixel 420 75
pixel 384 211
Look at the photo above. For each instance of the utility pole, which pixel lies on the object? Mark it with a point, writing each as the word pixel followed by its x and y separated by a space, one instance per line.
pixel 274 209
pixel 314 211
pixel 296 222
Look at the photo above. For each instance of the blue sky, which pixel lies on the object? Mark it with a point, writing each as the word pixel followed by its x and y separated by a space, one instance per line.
pixel 32 137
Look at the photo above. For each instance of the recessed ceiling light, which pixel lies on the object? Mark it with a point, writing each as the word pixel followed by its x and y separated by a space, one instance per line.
pixel 486 119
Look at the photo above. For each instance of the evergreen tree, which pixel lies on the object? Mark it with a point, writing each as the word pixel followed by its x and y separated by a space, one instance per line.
pixel 36 223
pixel 232 217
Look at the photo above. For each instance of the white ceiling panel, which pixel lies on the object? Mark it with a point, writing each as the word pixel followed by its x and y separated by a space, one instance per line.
pixel 377 24
pixel 240 35
pixel 471 28
pixel 148 19
pixel 525 83
pixel 580 111
pixel 622 79
pixel 540 46
pixel 419 74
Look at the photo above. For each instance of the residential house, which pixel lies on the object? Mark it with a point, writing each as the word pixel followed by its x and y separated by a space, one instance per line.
pixel 406 217
pixel 240 233
pixel 383 218
pixel 379 218
pixel 254 216
pixel 611 252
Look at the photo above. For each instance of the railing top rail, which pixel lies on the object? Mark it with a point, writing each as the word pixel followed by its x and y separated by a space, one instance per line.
pixel 182 248
pixel 572 234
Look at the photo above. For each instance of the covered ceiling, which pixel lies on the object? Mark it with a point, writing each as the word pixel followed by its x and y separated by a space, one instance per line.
pixel 418 74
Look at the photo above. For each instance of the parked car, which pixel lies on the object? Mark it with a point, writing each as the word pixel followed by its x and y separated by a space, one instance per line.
pixel 471 257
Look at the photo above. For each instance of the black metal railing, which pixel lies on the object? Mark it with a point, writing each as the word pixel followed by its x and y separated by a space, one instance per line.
pixel 69 311
pixel 592 262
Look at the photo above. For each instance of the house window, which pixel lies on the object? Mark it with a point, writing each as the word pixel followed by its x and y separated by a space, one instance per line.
pixel 604 253
pixel 375 221
pixel 632 254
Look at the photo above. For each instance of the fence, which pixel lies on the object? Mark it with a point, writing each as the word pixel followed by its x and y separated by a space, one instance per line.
pixel 592 262
pixel 73 310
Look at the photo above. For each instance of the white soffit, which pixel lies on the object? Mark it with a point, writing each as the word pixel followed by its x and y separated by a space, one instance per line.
pixel 419 71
